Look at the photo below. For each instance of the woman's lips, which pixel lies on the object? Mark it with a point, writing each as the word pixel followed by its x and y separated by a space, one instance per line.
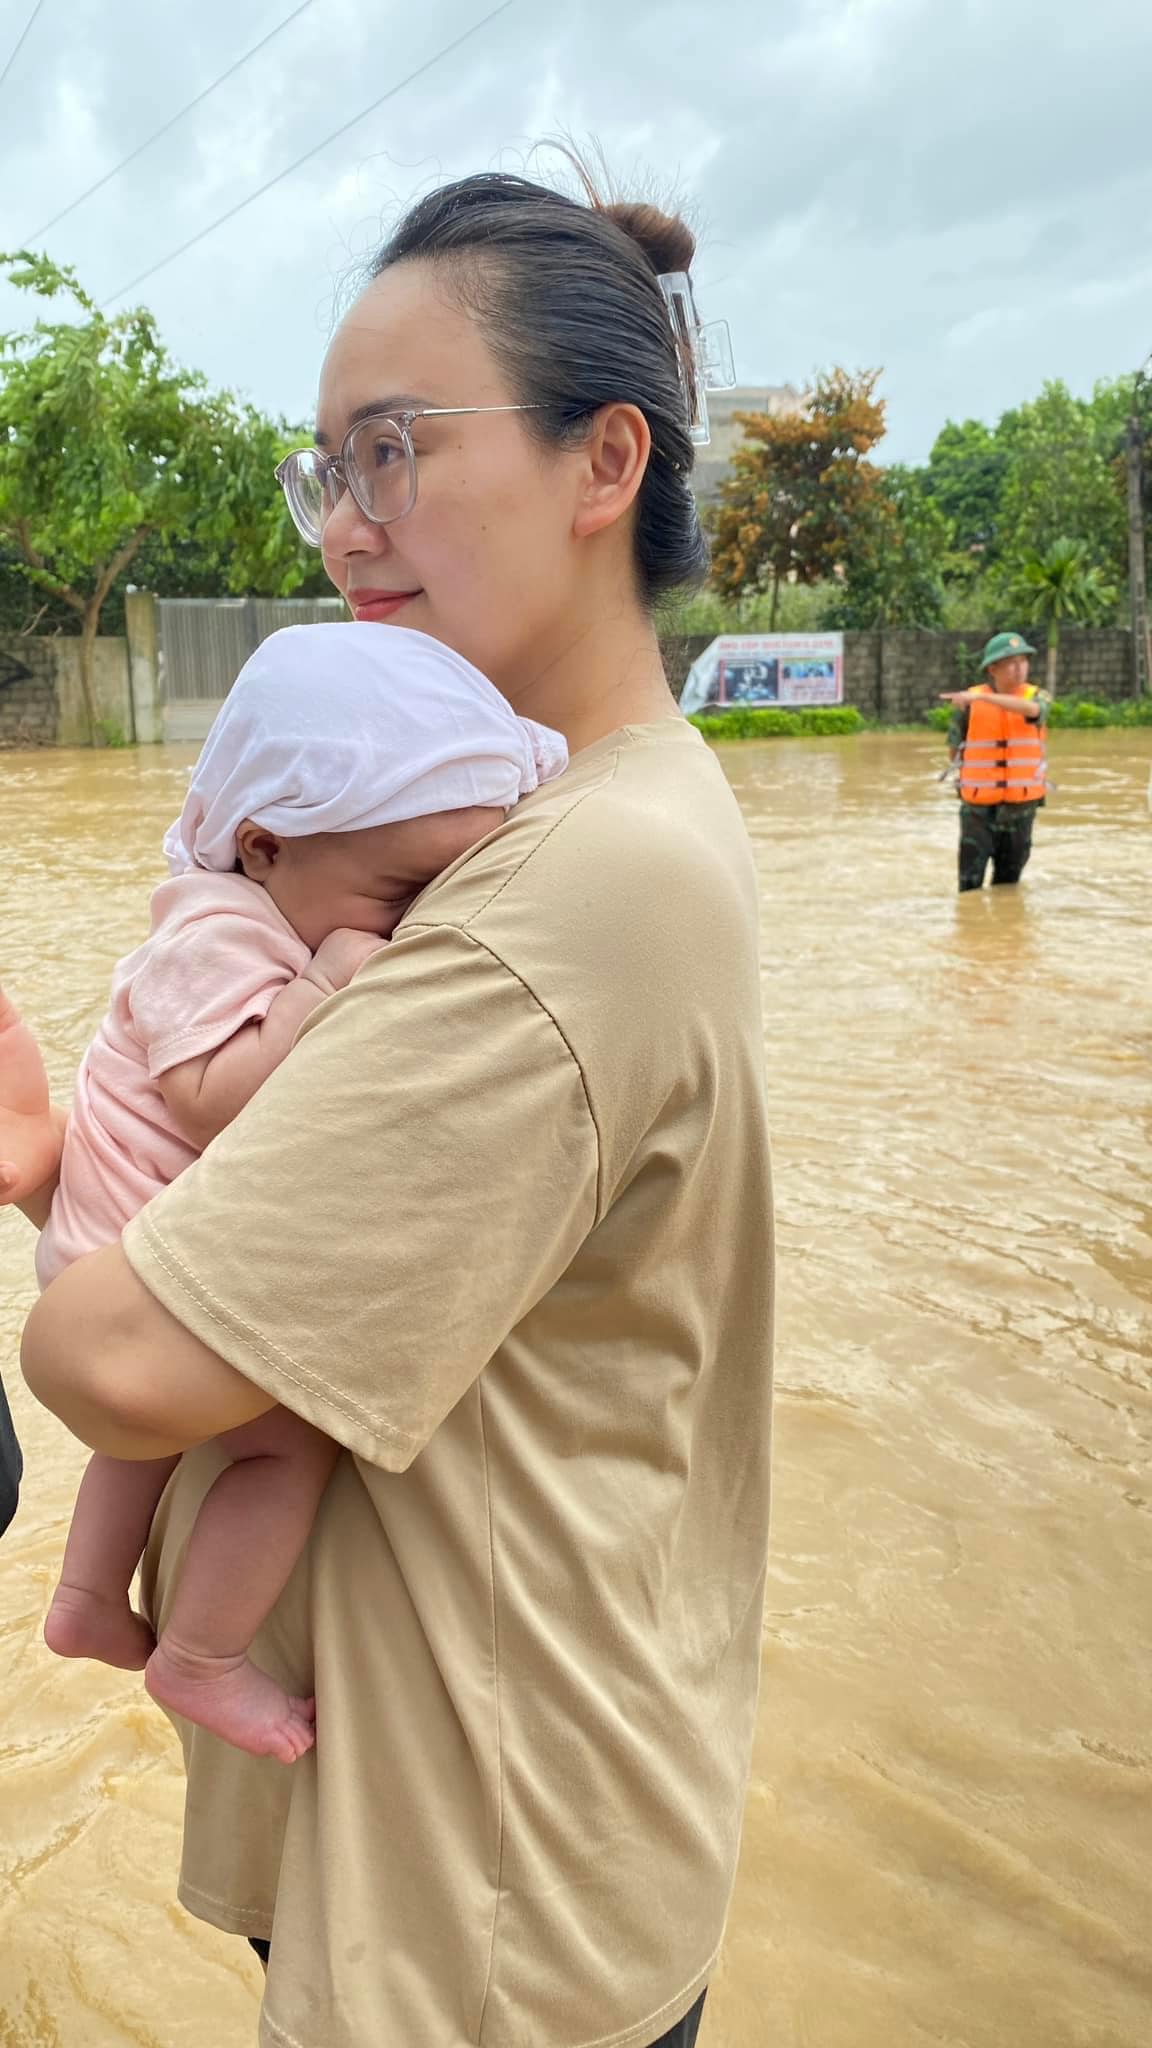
pixel 379 604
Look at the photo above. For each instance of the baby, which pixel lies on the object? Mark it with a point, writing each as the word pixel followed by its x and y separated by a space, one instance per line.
pixel 350 765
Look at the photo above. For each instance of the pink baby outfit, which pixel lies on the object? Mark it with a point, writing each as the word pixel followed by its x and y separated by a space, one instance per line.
pixel 218 953
pixel 327 729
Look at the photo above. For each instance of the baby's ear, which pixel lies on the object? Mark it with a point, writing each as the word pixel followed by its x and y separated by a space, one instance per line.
pixel 257 850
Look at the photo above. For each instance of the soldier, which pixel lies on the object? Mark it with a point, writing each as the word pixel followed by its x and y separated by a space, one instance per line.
pixel 997 731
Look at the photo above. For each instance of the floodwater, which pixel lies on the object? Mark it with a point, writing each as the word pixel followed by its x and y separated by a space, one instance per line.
pixel 949 1837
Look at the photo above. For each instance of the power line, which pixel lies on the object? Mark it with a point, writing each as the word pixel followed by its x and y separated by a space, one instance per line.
pixel 240 205
pixel 168 125
pixel 21 40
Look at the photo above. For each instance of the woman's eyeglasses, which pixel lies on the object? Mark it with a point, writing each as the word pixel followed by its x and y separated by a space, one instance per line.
pixel 377 463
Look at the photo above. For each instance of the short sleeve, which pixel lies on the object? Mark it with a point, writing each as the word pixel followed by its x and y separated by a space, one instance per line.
pixel 196 984
pixel 1041 701
pixel 958 727
pixel 399 1194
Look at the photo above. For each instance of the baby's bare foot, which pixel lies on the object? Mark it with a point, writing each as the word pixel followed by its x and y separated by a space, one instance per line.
pixel 231 1698
pixel 84 1624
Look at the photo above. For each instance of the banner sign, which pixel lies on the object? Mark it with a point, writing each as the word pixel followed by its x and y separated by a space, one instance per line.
pixel 785 669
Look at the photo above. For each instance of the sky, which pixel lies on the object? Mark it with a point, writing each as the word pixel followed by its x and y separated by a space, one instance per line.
pixel 958 192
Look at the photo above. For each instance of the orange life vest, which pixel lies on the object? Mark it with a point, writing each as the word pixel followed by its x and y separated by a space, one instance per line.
pixel 1003 761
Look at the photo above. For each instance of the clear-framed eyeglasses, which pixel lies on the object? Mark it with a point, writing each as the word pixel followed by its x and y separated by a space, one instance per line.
pixel 376 462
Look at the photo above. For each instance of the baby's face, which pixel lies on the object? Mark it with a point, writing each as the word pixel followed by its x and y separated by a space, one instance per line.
pixel 359 881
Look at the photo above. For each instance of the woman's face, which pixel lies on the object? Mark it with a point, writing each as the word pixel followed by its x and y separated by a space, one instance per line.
pixel 486 561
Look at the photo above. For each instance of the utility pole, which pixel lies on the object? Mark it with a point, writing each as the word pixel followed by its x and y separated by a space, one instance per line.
pixel 1137 569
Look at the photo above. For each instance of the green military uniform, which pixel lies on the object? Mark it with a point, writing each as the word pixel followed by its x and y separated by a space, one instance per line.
pixel 1000 833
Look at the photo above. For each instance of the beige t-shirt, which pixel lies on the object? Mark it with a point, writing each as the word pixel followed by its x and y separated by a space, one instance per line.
pixel 501 1225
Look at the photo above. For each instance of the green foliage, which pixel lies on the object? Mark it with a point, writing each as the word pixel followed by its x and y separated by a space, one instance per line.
pixel 1063 483
pixel 108 449
pixel 746 722
pixel 1080 712
pixel 801 608
pixel 1084 713
pixel 1050 473
pixel 23 608
pixel 965 478
pixel 1058 585
pixel 952 544
pixel 893 560
pixel 1048 470
pixel 110 733
pixel 971 605
pixel 1077 714
pixel 1062 584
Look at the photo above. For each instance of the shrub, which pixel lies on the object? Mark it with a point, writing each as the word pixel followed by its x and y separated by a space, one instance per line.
pixel 750 722
pixel 1080 712
pixel 1137 711
pixel 1077 713
pixel 109 732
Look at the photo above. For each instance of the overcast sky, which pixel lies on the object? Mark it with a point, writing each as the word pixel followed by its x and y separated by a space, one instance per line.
pixel 959 191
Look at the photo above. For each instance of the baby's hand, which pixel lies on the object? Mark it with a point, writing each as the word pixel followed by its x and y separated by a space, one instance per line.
pixel 31 1131
pixel 340 956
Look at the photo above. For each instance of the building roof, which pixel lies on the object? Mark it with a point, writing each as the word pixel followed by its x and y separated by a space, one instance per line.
pixel 712 461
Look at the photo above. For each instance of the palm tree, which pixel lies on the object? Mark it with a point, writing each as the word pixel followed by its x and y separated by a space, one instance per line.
pixel 1061 584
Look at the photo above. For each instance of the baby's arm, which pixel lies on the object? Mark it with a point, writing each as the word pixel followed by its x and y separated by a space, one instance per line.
pixel 205 1094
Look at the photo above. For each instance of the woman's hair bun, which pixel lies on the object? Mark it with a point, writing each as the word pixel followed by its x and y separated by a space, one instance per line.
pixel 566 297
pixel 666 240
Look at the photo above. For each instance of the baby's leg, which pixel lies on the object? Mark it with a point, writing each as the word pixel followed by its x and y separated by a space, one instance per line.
pixel 90 1615
pixel 249 1533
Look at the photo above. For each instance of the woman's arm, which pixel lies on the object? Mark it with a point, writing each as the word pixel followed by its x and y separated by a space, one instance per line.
pixel 138 1384
pixel 357 1245
pixel 205 1094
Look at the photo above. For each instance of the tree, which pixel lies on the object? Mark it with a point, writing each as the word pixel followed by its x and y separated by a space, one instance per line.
pixel 1062 481
pixel 894 557
pixel 965 477
pixel 798 484
pixel 1061 584
pixel 106 446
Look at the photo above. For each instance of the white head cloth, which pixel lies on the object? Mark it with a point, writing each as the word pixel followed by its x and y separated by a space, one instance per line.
pixel 337 728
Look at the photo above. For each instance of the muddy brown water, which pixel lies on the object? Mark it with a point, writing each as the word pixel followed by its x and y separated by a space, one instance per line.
pixel 949 1835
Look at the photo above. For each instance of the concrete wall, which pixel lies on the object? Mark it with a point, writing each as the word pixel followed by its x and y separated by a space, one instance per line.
pixel 894 676
pixel 110 689
pixel 41 701
pixel 898 675
pixel 29 708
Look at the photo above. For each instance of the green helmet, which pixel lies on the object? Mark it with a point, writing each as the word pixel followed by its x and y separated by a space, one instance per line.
pixel 1002 646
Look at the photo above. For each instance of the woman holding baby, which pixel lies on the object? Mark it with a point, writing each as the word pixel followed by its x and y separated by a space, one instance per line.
pixel 498 1227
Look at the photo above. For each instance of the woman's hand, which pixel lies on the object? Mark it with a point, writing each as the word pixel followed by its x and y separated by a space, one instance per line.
pixel 31 1131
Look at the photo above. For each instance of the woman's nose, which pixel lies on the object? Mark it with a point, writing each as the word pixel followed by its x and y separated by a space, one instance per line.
pixel 347 531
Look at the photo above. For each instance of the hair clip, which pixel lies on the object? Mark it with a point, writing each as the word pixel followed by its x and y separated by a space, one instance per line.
pixel 705 353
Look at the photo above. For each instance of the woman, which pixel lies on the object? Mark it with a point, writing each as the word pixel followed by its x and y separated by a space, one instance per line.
pixel 11 1464
pixel 500 1226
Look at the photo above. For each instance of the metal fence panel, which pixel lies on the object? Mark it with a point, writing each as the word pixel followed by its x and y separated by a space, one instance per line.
pixel 274 612
pixel 205 641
